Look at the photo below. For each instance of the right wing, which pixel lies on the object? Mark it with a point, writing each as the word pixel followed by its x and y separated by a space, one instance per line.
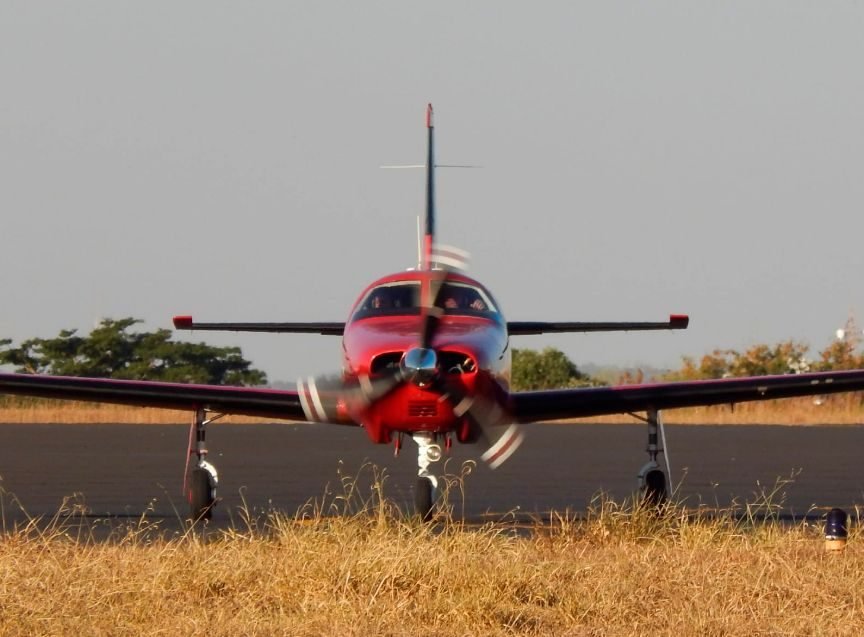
pixel 521 328
pixel 330 329
pixel 579 402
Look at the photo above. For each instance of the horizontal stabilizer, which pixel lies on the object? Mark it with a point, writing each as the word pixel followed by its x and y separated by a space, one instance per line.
pixel 521 328
pixel 330 329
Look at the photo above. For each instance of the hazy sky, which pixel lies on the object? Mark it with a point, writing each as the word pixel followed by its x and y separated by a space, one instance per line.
pixel 222 159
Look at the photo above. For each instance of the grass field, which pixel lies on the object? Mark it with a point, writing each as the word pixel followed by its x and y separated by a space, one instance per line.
pixel 841 410
pixel 618 572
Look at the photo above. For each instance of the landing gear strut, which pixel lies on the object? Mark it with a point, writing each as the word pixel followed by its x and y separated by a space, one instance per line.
pixel 424 495
pixel 652 482
pixel 200 487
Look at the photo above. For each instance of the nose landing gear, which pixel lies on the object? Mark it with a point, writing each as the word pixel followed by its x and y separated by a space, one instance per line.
pixel 427 484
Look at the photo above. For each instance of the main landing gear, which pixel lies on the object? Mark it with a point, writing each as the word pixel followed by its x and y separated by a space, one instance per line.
pixel 652 482
pixel 200 485
pixel 427 484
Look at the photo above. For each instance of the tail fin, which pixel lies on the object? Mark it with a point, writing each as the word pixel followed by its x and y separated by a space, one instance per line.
pixel 427 245
pixel 429 237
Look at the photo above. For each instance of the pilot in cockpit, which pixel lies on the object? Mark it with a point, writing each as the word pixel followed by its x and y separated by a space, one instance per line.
pixel 380 300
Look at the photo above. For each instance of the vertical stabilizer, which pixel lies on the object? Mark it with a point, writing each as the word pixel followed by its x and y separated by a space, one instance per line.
pixel 429 237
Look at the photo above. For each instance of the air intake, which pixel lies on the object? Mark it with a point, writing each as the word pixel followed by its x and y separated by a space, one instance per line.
pixel 423 409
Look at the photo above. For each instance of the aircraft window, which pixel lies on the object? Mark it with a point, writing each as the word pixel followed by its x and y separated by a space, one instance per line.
pixel 460 298
pixel 391 298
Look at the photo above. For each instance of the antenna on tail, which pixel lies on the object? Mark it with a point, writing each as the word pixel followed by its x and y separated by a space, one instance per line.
pixel 426 243
pixel 429 237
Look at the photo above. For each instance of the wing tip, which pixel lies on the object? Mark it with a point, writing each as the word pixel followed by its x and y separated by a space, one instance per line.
pixel 183 322
pixel 679 321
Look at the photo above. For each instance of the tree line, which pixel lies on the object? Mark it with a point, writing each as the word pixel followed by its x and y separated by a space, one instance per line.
pixel 786 357
pixel 551 369
pixel 114 350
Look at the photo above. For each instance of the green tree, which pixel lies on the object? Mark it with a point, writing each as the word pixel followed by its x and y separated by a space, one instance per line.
pixel 113 351
pixel 549 369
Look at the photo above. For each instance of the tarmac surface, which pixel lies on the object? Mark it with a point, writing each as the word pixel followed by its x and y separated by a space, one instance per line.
pixel 123 471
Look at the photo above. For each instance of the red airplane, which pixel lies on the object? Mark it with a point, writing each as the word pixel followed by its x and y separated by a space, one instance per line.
pixel 426 353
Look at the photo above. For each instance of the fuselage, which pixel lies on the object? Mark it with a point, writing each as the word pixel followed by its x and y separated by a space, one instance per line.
pixel 470 341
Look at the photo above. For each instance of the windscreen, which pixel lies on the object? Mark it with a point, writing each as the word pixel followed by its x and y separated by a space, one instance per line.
pixel 403 297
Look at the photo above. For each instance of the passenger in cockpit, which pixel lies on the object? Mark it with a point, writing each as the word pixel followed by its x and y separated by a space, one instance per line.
pixel 471 300
pixel 466 299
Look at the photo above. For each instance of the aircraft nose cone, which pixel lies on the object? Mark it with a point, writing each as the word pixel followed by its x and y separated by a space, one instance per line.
pixel 420 365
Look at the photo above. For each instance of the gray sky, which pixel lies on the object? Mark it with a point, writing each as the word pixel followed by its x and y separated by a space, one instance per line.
pixel 221 159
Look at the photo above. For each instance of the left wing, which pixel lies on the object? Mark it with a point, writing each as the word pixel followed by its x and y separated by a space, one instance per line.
pixel 249 401
pixel 595 401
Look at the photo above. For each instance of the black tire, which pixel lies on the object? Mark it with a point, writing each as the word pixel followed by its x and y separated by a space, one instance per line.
pixel 201 496
pixel 655 489
pixel 423 499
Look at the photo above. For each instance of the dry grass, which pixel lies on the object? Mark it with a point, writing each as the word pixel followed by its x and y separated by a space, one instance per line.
pixel 845 409
pixel 618 572
pixel 841 410
pixel 26 411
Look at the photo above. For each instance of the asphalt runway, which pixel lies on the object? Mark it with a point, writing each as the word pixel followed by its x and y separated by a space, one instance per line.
pixel 123 471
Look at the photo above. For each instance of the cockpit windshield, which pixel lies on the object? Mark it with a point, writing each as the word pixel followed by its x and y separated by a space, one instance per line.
pixel 403 297
pixel 392 298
